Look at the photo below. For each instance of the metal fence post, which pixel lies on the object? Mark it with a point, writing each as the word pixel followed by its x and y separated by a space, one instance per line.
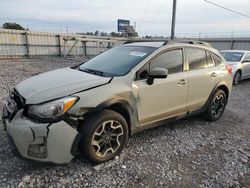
pixel 85 48
pixel 59 45
pixel 27 44
pixel 232 44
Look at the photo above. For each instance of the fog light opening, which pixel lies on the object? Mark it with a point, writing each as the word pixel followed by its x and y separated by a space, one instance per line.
pixel 37 151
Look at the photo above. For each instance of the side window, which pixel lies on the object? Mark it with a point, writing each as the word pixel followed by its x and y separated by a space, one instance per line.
pixel 197 58
pixel 217 59
pixel 210 62
pixel 171 60
pixel 247 57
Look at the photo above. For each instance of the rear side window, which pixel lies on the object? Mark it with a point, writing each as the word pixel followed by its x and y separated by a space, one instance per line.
pixel 210 62
pixel 171 60
pixel 217 59
pixel 197 58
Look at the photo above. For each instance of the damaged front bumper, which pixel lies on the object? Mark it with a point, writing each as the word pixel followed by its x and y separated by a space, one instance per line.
pixel 54 143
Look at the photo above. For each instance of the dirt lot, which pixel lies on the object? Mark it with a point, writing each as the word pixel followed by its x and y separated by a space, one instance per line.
pixel 187 153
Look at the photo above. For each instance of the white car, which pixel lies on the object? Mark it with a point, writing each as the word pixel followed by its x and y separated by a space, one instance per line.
pixel 239 60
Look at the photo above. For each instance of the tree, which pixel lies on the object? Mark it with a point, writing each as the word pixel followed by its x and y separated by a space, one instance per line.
pixel 96 33
pixel 12 25
pixel 104 34
pixel 114 34
pixel 89 33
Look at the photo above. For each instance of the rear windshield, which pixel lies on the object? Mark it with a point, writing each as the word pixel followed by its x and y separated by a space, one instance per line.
pixel 232 56
pixel 117 61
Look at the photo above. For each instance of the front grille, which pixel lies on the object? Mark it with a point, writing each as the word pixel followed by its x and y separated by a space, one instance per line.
pixel 14 103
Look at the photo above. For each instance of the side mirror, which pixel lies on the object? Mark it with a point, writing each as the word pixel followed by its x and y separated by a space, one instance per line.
pixel 159 73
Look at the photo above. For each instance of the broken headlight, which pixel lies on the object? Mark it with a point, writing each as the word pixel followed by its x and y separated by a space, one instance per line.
pixel 52 110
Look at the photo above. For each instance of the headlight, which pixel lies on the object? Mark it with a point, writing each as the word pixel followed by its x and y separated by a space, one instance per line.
pixel 53 109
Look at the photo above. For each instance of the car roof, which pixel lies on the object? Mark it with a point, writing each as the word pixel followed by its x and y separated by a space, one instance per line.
pixel 238 51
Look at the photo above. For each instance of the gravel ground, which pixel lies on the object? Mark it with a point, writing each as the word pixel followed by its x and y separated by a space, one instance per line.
pixel 187 153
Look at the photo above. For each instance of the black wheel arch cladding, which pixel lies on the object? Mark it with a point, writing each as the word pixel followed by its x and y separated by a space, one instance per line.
pixel 118 105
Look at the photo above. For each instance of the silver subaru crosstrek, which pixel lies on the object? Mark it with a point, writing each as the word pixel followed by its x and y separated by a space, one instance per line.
pixel 95 107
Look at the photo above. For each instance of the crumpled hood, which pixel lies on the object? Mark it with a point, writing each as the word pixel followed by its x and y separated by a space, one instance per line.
pixel 56 84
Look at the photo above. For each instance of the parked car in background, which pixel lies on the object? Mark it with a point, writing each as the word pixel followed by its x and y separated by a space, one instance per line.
pixel 239 60
pixel 93 108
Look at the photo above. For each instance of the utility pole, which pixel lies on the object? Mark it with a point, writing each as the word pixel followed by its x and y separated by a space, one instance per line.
pixel 173 20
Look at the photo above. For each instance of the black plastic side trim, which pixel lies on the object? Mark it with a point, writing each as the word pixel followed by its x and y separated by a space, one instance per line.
pixel 115 101
pixel 211 96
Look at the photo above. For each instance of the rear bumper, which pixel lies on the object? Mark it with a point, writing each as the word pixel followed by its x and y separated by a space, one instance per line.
pixel 52 143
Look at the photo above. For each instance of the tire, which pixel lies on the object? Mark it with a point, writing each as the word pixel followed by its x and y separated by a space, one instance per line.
pixel 101 132
pixel 237 78
pixel 216 106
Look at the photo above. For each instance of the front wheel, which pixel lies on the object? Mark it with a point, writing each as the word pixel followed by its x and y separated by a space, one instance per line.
pixel 104 135
pixel 216 106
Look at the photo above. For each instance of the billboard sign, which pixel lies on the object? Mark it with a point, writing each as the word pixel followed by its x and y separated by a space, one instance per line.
pixel 122 24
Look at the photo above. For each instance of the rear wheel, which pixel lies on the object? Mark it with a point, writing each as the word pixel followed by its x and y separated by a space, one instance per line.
pixel 216 106
pixel 237 78
pixel 104 135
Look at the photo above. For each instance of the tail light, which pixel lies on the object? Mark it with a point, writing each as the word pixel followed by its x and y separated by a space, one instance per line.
pixel 229 68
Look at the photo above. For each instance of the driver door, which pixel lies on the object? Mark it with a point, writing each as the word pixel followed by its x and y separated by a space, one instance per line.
pixel 167 97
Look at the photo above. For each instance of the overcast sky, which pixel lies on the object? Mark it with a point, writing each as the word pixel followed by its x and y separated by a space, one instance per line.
pixel 152 17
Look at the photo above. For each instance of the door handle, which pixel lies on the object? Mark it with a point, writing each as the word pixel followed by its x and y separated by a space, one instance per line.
pixel 182 82
pixel 214 74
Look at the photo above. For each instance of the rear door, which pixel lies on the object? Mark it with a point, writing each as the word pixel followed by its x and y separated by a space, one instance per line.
pixel 202 77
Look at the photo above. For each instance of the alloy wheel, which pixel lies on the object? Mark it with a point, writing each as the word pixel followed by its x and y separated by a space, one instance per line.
pixel 107 138
pixel 218 105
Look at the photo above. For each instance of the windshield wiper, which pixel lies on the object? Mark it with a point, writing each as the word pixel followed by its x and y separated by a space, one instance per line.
pixel 97 72
pixel 93 71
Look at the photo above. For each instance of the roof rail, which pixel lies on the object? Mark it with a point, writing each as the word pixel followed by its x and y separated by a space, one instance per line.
pixel 144 40
pixel 167 42
pixel 195 42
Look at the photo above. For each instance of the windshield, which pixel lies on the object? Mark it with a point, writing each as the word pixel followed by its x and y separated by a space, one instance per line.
pixel 117 61
pixel 232 56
